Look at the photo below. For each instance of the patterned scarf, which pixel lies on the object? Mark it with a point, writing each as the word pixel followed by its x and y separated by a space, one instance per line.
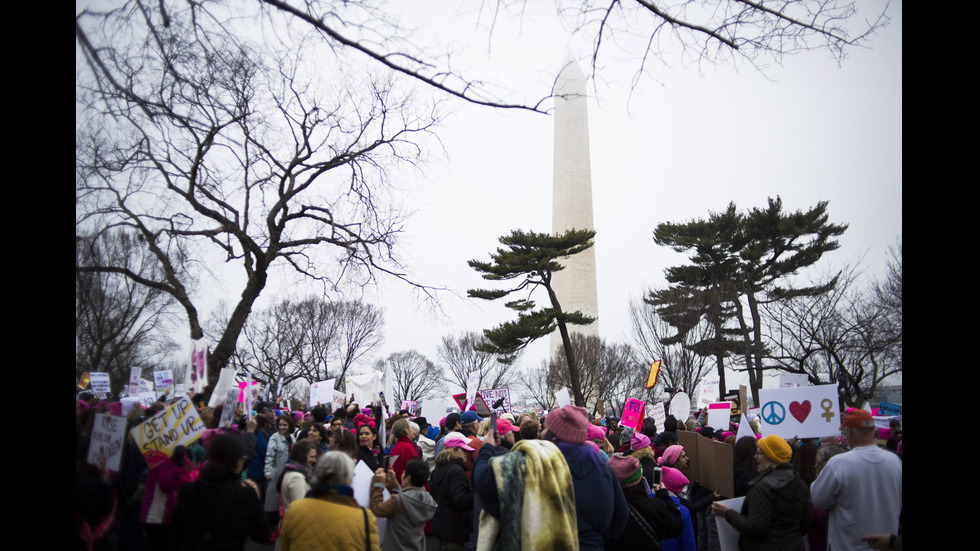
pixel 537 501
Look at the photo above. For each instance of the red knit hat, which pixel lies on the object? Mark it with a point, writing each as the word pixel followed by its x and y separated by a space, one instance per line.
pixel 569 423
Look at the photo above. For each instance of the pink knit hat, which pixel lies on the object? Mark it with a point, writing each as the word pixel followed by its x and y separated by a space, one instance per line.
pixel 670 455
pixel 569 423
pixel 594 433
pixel 639 441
pixel 674 480
pixel 626 468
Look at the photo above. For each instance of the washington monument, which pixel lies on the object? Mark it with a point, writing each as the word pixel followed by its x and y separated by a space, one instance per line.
pixel 572 197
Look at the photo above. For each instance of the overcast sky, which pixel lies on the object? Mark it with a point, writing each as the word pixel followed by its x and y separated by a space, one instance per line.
pixel 679 144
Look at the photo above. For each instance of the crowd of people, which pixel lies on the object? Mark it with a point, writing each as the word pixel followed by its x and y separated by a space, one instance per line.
pixel 560 481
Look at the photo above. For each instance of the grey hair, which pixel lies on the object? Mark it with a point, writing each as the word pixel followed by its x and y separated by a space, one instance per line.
pixel 415 427
pixel 334 467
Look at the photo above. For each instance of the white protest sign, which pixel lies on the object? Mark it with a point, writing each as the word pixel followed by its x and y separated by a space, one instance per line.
pixel 490 396
pixel 226 381
pixel 321 392
pixel 806 412
pixel 164 379
pixel 659 415
pixel 100 384
pixel 708 392
pixel 178 425
pixel 146 386
pixel 146 399
pixel 134 381
pixel 680 407
pixel 744 429
pixel 361 484
pixel 563 398
pixel 727 535
pixel 719 415
pixel 128 403
pixel 793 380
pixel 228 411
pixel 472 381
pixel 108 433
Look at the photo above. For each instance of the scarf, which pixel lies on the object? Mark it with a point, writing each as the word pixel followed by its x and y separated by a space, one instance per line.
pixel 537 501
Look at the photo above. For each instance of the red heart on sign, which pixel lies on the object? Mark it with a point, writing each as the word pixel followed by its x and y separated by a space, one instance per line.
pixel 800 411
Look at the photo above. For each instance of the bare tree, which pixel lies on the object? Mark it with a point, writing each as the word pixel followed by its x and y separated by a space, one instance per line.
pixel 682 366
pixel 415 376
pixel 206 144
pixel 272 348
pixel 540 386
pixel 359 332
pixel 461 358
pixel 119 324
pixel 843 336
pixel 609 371
pixel 319 323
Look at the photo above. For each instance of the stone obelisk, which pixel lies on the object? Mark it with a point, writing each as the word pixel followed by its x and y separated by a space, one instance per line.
pixel 572 197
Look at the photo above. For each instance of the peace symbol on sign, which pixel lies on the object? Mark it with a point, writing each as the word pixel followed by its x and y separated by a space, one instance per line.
pixel 773 413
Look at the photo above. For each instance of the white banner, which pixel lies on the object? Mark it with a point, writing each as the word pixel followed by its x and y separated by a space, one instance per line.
pixel 806 412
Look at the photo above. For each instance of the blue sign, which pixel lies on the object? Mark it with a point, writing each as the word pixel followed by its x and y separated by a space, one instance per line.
pixel 887 409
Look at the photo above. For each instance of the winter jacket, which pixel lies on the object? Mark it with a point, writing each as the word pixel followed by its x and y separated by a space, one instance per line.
pixel 686 541
pixel 327 523
pixel 453 520
pixel 404 451
pixel 660 512
pixel 373 462
pixel 407 511
pixel 160 496
pixel 276 457
pixel 776 512
pixel 217 512
pixel 600 506
pixel 293 484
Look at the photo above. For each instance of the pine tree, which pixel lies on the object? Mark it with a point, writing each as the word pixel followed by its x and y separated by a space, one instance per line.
pixel 530 259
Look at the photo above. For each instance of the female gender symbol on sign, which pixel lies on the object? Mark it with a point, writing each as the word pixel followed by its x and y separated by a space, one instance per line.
pixel 771 414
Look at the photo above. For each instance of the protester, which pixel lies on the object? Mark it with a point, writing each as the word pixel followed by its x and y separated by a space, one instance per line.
pixel 160 498
pixel 745 465
pixel 341 439
pixel 408 509
pixel 776 512
pixel 676 483
pixel 642 450
pixel 862 488
pixel 369 449
pixel 330 520
pixel 453 493
pixel 218 511
pixel 651 518
pixel 403 451
pixel 276 457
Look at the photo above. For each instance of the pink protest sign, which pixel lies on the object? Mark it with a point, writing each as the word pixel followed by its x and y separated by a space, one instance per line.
pixel 633 413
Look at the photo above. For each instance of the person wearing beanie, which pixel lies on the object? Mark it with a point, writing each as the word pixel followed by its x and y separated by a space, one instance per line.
pixel 676 484
pixel 643 452
pixel 659 512
pixel 601 512
pixel 625 436
pixel 776 512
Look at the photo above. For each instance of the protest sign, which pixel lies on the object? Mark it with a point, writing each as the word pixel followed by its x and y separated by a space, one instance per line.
pixel 793 380
pixel 198 365
pixel 711 462
pixel 364 388
pixel 659 415
pixel 178 425
pixel 633 413
pixel 886 409
pixel 744 429
pixel 654 373
pixel 806 411
pixel 562 398
pixel 164 379
pixel 83 381
pixel 321 392
pixel 128 403
pixel 727 535
pixel 720 415
pixel 680 406
pixel 228 411
pixel 707 392
pixel 134 381
pixel 472 384
pixel 146 399
pixel 226 381
pixel 482 409
pixel 491 395
pixel 100 384
pixel 411 405
pixel 108 433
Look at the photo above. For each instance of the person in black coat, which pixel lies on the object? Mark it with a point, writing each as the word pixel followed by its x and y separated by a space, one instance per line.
pixel 661 516
pixel 219 512
pixel 453 493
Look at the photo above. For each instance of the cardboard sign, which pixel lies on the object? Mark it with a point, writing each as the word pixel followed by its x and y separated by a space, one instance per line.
pixel 482 409
pixel 633 413
pixel 659 415
pixel 720 415
pixel 886 409
pixel 100 384
pixel 712 462
pixel 163 380
pixel 806 412
pixel 178 425
pixel 108 433
pixel 411 405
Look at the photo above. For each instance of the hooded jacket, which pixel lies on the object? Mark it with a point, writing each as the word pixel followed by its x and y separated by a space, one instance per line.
pixel 407 512
pixel 776 512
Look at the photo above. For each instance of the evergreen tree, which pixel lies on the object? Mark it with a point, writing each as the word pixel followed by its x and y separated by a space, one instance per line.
pixel 530 259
